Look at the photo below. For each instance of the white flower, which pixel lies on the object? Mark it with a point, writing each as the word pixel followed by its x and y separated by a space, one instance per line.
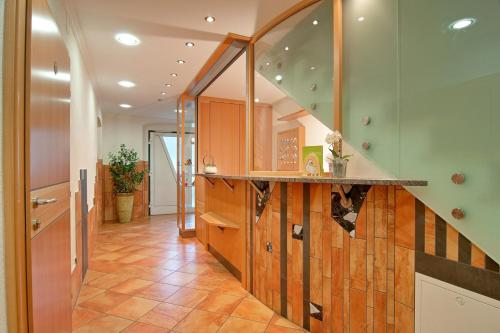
pixel 333 138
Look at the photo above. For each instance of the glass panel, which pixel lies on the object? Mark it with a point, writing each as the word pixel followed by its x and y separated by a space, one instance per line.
pixel 171 144
pixel 427 74
pixel 293 89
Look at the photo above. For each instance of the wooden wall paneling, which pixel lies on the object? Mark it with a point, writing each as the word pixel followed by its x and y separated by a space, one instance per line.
pixel 51 253
pixel 242 138
pixel 297 253
pixel 289 249
pixel 451 243
pixel 203 131
pixel 229 243
pixel 391 235
pixel 430 232
pixel 263 132
pixel 316 255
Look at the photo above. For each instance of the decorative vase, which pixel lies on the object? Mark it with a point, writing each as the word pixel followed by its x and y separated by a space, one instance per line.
pixel 338 167
pixel 124 206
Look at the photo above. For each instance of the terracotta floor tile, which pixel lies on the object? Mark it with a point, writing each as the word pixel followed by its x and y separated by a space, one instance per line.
pixel 281 329
pixel 105 266
pixel 195 268
pixel 188 297
pixel 220 302
pixel 133 308
pixel 132 286
pixel 147 273
pixel 173 264
pixel 179 278
pixel 239 325
pixel 92 275
pixel 131 258
pixel 158 291
pixel 201 321
pixel 82 316
pixel 87 292
pixel 144 328
pixel 104 301
pixel 253 310
pixel 108 281
pixel 109 247
pixel 105 324
pixel 165 315
pixel 111 256
pixel 232 287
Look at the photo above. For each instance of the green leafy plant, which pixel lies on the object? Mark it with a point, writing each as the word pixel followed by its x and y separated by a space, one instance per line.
pixel 123 169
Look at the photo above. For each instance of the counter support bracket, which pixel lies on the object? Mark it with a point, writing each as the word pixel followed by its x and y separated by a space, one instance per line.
pixel 256 188
pixel 228 184
pixel 212 183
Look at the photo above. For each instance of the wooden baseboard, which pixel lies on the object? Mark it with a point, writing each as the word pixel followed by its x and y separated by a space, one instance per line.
pixel 224 262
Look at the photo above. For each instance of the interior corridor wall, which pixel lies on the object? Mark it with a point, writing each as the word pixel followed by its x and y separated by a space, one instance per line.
pixel 3 301
pixel 131 131
pixel 85 111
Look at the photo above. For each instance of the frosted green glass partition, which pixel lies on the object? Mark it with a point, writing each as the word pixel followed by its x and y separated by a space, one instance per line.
pixel 430 85
pixel 297 58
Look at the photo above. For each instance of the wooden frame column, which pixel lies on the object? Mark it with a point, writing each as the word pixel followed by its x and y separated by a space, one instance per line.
pixel 14 78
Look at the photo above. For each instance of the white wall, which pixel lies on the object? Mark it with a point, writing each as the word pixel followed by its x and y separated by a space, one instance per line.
pixel 131 131
pixel 84 140
pixel 3 301
pixel 315 133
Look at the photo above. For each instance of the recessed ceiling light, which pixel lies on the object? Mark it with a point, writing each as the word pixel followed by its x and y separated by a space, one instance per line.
pixel 168 85
pixel 126 84
pixel 127 39
pixel 125 106
pixel 189 44
pixel 361 19
pixel 173 74
pixel 287 48
pixel 315 22
pixel 257 100
pixel 210 19
pixel 462 23
pixel 268 63
pixel 278 77
pixel 163 92
pixel 312 68
pixel 176 110
pixel 180 61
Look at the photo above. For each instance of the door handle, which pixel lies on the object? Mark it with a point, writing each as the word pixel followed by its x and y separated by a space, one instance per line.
pixel 40 202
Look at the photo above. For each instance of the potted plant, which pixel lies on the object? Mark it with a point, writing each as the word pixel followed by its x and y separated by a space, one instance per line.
pixel 337 163
pixel 126 177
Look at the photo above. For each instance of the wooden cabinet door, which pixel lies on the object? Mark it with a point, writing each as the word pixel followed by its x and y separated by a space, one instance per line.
pixel 48 151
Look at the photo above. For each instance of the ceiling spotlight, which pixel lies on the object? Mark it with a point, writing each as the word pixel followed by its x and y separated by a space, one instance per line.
pixel 257 100
pixel 127 39
pixel 126 84
pixel 189 44
pixel 287 48
pixel 168 85
pixel 268 63
pixel 462 23
pixel 312 68
pixel 315 22
pixel 361 19
pixel 125 106
pixel 177 110
pixel 210 19
pixel 180 62
pixel 278 77
pixel 163 92
pixel 173 74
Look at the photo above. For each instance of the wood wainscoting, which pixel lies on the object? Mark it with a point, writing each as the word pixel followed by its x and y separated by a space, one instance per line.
pixel 327 281
pixel 141 196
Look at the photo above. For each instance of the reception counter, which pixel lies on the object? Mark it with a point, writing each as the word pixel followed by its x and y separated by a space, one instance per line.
pixel 334 254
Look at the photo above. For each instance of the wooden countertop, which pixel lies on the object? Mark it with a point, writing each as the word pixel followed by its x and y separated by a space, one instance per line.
pixel 290 178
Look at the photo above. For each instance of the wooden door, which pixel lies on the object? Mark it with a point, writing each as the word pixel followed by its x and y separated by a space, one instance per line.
pixel 48 175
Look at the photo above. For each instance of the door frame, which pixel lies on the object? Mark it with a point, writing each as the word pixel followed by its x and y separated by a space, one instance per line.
pixel 150 153
pixel 14 159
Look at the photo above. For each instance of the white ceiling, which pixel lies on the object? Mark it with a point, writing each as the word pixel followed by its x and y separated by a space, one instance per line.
pixel 163 26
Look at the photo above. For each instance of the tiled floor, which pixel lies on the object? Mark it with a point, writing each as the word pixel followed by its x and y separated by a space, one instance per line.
pixel 144 278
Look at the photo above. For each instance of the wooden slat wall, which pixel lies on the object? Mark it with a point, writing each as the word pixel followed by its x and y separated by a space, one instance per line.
pixel 363 284
pixel 141 196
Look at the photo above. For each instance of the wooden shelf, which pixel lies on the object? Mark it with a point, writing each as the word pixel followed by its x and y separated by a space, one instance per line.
pixel 294 115
pixel 219 221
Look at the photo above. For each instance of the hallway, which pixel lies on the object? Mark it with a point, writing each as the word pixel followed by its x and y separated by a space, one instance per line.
pixel 144 278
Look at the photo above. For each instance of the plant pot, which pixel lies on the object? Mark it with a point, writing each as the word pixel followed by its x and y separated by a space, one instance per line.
pixel 338 167
pixel 124 206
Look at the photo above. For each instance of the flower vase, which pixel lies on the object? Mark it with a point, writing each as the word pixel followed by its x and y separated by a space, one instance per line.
pixel 338 167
